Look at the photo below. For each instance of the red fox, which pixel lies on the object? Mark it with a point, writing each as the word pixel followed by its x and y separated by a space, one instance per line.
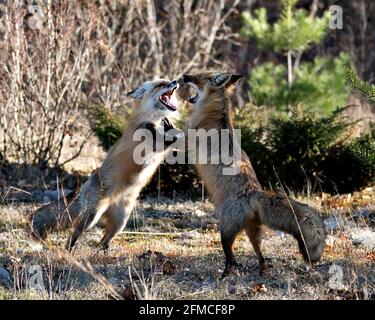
pixel 111 191
pixel 240 201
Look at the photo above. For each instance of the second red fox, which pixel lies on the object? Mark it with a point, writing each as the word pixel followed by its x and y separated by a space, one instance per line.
pixel 241 203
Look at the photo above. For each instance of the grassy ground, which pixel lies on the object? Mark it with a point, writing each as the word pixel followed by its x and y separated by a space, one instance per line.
pixel 172 251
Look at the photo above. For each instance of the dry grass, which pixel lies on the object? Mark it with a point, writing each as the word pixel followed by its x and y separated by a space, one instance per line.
pixel 173 251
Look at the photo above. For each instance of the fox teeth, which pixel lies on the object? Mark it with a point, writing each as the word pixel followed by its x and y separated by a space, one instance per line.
pixel 169 100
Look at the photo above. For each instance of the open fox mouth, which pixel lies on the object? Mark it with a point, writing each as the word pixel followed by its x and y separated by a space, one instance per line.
pixel 165 99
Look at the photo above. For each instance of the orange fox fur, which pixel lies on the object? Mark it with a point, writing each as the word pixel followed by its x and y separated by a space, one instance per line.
pixel 240 201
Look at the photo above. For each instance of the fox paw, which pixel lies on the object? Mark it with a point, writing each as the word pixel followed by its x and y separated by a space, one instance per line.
pixel 237 265
pixel 266 265
pixel 230 268
pixel 105 249
pixel 225 273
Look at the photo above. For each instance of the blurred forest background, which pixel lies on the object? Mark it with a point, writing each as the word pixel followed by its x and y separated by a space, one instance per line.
pixel 306 106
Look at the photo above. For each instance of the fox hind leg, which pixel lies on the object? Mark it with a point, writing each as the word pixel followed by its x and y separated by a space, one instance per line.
pixel 117 216
pixel 81 227
pixel 89 218
pixel 228 235
pixel 254 233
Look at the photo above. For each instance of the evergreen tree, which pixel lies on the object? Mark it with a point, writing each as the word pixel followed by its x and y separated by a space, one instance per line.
pixel 363 149
pixel 319 85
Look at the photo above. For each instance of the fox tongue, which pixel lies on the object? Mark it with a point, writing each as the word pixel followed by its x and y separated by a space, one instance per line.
pixel 166 99
pixel 169 100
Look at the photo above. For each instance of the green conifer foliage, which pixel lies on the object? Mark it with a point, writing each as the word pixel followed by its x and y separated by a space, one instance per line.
pixel 364 88
pixel 319 85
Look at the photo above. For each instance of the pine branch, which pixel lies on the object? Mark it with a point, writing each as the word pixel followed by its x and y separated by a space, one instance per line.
pixel 362 87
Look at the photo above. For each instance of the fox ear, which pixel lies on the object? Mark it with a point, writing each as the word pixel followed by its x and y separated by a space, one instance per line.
pixel 225 79
pixel 234 79
pixel 137 93
pixel 187 78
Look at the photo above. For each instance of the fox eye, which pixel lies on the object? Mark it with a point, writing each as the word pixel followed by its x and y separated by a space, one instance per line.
pixel 191 91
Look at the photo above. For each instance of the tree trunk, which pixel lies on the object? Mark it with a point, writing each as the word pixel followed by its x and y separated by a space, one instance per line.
pixel 290 74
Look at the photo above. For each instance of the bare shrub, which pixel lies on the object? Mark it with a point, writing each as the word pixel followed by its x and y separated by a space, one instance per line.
pixel 58 55
pixel 42 73
pixel 143 40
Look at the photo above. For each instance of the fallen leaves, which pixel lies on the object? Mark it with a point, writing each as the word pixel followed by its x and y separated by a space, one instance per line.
pixel 337 294
pixel 361 198
pixel 128 293
pixel 371 256
pixel 258 288
pixel 167 266
pixel 153 256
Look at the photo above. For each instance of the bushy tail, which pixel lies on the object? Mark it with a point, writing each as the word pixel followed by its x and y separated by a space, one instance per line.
pixel 57 215
pixel 300 220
